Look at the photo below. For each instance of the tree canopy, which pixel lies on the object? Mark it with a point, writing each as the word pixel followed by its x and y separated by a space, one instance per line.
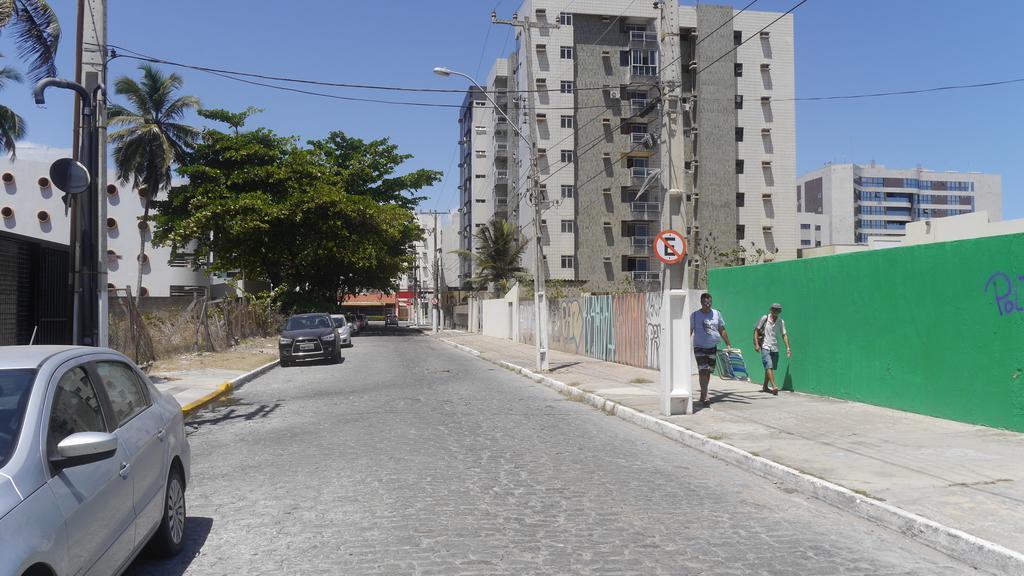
pixel 323 220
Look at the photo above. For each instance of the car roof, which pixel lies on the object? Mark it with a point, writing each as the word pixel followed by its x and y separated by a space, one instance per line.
pixel 35 356
pixel 308 314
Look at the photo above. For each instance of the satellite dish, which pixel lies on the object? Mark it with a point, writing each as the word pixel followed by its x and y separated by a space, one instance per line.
pixel 69 176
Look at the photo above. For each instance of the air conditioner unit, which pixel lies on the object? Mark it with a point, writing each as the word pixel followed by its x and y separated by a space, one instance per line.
pixel 766 130
pixel 766 66
pixel 766 163
pixel 613 94
pixel 606 191
pixel 693 65
pixel 765 34
pixel 607 258
pixel 606 121
pixel 606 53
pixel 766 99
pixel 606 155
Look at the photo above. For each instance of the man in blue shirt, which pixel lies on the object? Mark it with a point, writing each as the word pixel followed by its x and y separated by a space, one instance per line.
pixel 707 328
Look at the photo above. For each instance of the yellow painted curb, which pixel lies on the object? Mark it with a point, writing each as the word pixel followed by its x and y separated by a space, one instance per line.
pixel 200 402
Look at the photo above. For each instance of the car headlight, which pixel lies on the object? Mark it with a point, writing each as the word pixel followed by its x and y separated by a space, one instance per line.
pixel 282 340
pixel 327 337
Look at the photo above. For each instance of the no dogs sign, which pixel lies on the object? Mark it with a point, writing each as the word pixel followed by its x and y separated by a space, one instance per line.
pixel 670 247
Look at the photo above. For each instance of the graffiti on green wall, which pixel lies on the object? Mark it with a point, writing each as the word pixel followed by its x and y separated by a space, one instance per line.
pixel 1007 292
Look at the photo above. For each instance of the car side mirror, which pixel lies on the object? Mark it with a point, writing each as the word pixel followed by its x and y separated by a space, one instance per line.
pixel 84 448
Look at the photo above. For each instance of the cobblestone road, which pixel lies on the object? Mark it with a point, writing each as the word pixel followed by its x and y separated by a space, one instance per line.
pixel 414 458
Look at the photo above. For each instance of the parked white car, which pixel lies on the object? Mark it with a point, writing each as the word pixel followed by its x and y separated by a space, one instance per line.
pixel 93 463
pixel 344 330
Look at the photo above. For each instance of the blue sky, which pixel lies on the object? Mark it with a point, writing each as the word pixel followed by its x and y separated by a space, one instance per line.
pixel 842 47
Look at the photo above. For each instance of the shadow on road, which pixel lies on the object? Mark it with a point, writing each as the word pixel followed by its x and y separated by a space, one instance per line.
pixel 230 408
pixel 382 330
pixel 197 529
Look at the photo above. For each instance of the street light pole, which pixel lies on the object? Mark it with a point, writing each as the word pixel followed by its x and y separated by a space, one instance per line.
pixel 540 301
pixel 85 232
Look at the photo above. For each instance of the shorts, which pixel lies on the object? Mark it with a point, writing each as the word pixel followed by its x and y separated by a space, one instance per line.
pixel 770 359
pixel 706 358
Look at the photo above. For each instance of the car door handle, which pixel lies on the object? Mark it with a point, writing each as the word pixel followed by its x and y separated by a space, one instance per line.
pixel 160 434
pixel 125 468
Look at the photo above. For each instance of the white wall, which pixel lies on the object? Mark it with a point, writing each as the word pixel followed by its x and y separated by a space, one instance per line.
pixel 27 198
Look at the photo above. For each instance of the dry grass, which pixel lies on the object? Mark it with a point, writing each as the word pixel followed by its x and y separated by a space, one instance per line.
pixel 247 355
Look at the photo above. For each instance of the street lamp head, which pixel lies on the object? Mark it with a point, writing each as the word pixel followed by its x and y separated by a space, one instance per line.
pixel 442 71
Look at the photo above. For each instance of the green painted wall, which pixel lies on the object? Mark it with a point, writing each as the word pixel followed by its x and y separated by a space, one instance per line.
pixel 936 329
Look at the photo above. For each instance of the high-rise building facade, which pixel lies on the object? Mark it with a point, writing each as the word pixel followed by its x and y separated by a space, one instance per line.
pixel 861 204
pixel 584 85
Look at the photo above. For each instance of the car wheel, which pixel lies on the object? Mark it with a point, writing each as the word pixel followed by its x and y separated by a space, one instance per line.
pixel 169 538
pixel 285 363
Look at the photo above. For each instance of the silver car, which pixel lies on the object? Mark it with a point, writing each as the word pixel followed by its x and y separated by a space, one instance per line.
pixel 344 330
pixel 93 463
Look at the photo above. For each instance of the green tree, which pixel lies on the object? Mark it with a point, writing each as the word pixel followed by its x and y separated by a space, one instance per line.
pixel 499 249
pixel 277 211
pixel 234 119
pixel 150 138
pixel 36 34
pixel 12 127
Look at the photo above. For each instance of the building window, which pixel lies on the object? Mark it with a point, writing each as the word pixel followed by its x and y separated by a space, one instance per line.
pixel 739 134
pixel 567 87
pixel 568 191
pixel 565 18
pixel 737 37
pixel 805 242
pixel 741 232
pixel 565 52
pixel 741 199
pixel 480 176
pixel 817 227
pixel 568 226
pixel 738 69
pixel 739 166
pixel 739 101
pixel 568 262
pixel 567 156
pixel 567 121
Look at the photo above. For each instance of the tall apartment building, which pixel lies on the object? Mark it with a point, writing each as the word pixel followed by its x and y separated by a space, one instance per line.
pixel 484 152
pixel 860 204
pixel 581 85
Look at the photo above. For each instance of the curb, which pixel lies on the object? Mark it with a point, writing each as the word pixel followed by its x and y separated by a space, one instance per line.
pixel 955 543
pixel 228 386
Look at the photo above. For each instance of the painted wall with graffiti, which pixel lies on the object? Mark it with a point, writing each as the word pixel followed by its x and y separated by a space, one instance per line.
pixel 936 329
pixel 623 328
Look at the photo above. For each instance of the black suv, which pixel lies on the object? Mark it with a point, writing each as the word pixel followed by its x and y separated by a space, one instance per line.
pixel 308 337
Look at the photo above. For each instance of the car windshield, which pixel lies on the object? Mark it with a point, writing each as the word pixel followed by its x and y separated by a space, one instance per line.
pixel 339 320
pixel 15 386
pixel 308 322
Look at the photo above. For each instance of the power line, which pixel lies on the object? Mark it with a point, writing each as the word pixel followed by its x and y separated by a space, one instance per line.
pixel 135 55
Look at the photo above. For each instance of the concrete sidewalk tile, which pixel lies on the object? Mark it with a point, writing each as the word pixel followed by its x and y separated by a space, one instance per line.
pixel 954 486
pixel 194 389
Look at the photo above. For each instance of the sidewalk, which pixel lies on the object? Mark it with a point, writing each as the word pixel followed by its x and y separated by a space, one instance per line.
pixel 967 479
pixel 197 379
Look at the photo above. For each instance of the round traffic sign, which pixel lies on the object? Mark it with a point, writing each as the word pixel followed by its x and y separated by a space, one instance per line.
pixel 670 247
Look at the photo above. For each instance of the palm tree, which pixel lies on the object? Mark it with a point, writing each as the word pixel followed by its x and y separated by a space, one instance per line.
pixel 12 127
pixel 36 33
pixel 150 138
pixel 499 248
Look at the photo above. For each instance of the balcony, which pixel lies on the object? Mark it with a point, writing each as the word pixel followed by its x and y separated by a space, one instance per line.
pixel 645 207
pixel 637 105
pixel 501 150
pixel 640 173
pixel 641 245
pixel 638 137
pixel 643 70
pixel 501 176
pixel 645 276
pixel 642 36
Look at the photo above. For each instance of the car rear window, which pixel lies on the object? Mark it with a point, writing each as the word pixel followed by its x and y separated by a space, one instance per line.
pixel 15 387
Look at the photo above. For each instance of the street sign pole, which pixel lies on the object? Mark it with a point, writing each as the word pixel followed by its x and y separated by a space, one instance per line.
pixel 674 353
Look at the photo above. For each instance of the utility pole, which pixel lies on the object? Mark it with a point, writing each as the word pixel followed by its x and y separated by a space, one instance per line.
pixel 535 196
pixel 90 144
pixel 434 301
pixel 674 355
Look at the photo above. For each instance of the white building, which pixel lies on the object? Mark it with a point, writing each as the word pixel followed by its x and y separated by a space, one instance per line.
pixel 31 206
pixel 844 204
pixel 579 84
pixel 421 279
